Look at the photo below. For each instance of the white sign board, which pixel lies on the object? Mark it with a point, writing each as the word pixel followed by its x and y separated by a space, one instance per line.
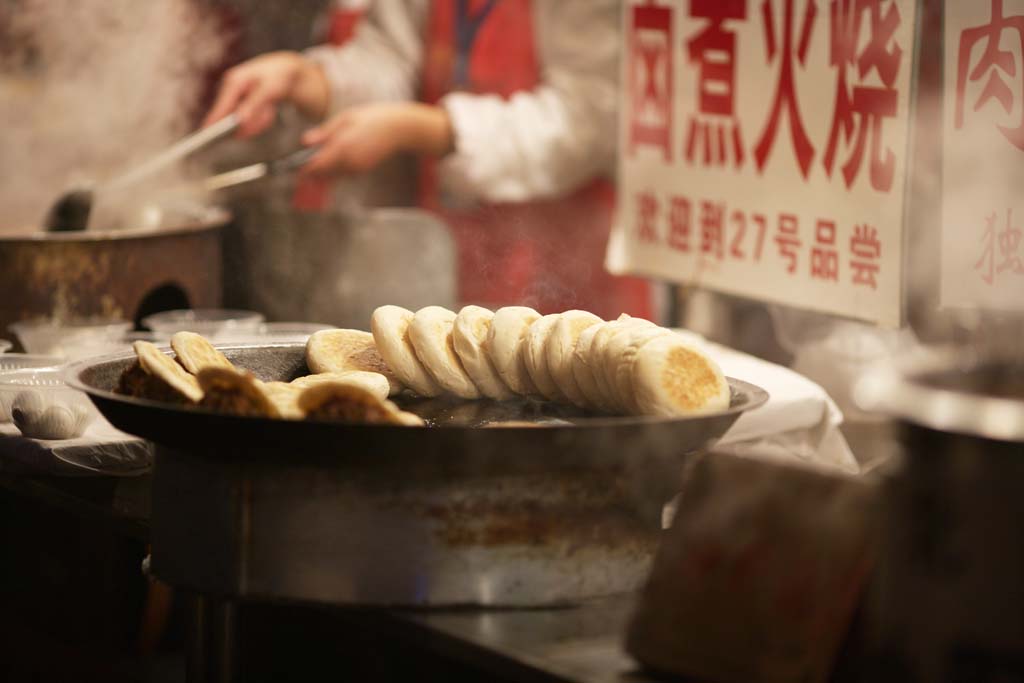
pixel 983 155
pixel 763 149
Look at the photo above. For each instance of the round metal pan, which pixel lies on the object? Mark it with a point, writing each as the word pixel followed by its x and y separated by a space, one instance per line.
pixel 456 431
pixel 454 513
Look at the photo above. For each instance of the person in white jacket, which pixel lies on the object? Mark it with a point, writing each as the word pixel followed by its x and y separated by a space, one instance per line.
pixel 514 103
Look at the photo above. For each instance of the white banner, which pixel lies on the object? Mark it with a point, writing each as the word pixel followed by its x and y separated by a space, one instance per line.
pixel 983 160
pixel 764 147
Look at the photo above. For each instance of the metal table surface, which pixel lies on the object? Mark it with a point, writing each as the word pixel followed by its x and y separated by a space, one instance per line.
pixel 579 644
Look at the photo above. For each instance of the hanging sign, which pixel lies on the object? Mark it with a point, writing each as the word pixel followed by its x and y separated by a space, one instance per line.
pixel 983 155
pixel 763 149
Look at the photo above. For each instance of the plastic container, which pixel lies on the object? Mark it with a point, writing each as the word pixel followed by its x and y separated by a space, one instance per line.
pixel 216 324
pixel 73 338
pixel 42 406
pixel 288 331
pixel 151 337
pixel 24 361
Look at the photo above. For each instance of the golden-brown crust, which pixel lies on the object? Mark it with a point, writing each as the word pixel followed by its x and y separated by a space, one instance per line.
pixel 689 379
pixel 160 365
pixel 156 376
pixel 138 383
pixel 374 382
pixel 236 392
pixel 195 353
pixel 285 396
pixel 347 403
pixel 347 350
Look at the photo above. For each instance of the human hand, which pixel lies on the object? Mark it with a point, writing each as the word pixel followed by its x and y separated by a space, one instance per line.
pixel 359 138
pixel 254 88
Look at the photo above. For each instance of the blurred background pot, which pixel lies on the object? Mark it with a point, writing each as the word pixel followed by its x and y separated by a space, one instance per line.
pixel 337 266
pixel 946 605
pixel 112 274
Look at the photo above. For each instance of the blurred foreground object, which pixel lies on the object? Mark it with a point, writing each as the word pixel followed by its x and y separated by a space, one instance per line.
pixel 759 576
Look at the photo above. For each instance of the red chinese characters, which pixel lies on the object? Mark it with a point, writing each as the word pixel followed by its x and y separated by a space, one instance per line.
pixel 1000 250
pixel 866 250
pixel 712 229
pixel 1009 245
pixel 647 216
pixel 714 131
pixel 824 257
pixel 993 66
pixel 859 110
pixel 788 240
pixel 737 243
pixel 650 78
pixel 785 99
pixel 864 56
pixel 679 224
pixel 716 231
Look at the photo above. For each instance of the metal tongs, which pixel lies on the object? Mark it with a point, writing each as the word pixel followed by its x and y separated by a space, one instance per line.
pixel 71 211
pixel 246 174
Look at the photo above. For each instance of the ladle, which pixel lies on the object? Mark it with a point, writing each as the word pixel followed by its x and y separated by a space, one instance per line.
pixel 71 210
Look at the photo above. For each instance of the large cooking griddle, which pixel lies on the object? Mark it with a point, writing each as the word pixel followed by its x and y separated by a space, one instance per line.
pixel 482 430
pixel 453 513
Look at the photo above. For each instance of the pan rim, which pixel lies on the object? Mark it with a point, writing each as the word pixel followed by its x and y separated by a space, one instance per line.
pixel 754 397
pixel 211 218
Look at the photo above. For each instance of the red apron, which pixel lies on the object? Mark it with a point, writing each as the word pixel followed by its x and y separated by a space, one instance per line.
pixel 314 195
pixel 545 254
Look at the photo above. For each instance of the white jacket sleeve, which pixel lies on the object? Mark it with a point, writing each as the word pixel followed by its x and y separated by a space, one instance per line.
pixel 549 141
pixel 382 60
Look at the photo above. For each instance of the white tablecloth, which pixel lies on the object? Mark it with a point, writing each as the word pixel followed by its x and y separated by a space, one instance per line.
pixel 102 449
pixel 799 422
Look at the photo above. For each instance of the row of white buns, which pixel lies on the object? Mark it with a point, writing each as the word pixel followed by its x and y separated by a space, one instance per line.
pixel 625 366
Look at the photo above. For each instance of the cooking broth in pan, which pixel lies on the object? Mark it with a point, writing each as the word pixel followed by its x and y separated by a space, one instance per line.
pixel 452 412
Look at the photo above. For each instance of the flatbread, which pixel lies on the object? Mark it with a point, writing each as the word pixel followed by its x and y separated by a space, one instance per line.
pixel 285 396
pixel 236 392
pixel 195 353
pixel 351 404
pixel 672 377
pixel 584 371
pixel 348 350
pixel 600 362
pixel 559 350
pixel 469 336
pixel 390 325
pixel 622 358
pixel 374 382
pixel 171 377
pixel 431 335
pixel 536 359
pixel 505 343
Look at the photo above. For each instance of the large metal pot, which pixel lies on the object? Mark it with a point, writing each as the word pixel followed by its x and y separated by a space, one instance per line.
pixel 336 266
pixel 125 273
pixel 947 603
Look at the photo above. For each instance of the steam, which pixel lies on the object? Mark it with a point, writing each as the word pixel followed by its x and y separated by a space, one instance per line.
pixel 88 89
